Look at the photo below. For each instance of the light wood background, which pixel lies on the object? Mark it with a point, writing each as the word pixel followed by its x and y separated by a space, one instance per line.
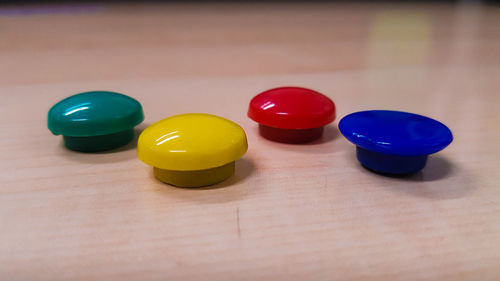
pixel 291 212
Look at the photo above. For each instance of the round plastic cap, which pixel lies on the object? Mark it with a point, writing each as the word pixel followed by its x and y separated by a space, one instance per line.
pixel 394 142
pixel 193 141
pixel 94 113
pixel 292 108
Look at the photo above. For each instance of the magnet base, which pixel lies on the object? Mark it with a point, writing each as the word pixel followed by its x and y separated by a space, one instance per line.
pixel 99 143
pixel 196 178
pixel 290 135
pixel 390 164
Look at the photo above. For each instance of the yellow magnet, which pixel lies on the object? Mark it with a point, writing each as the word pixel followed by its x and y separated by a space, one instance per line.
pixel 192 150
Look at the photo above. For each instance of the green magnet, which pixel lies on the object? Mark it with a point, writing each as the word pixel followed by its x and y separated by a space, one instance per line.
pixel 95 121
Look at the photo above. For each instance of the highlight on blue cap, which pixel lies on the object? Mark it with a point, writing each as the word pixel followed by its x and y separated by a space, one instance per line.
pixel 394 142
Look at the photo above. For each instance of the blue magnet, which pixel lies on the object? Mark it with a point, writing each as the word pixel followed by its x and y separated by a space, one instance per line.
pixel 394 142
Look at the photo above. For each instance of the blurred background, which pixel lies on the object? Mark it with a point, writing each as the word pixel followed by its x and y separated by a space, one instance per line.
pixel 46 41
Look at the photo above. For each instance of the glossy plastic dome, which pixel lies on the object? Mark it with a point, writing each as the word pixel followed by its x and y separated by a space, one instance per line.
pixel 394 142
pixel 193 141
pixel 395 132
pixel 94 114
pixel 292 108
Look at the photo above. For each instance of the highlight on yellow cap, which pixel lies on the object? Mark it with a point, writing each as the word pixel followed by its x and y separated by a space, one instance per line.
pixel 195 142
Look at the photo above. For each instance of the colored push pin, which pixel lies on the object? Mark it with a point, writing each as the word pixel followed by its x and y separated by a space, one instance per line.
pixel 291 114
pixel 394 142
pixel 192 150
pixel 95 121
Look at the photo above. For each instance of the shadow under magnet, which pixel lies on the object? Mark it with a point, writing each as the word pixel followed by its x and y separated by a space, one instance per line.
pixel 195 178
pixel 99 143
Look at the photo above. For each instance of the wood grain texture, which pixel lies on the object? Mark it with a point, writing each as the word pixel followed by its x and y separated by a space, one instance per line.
pixel 291 212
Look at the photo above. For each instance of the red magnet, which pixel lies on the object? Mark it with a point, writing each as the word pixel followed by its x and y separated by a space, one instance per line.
pixel 291 114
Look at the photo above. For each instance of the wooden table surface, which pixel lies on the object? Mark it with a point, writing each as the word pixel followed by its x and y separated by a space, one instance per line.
pixel 291 212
